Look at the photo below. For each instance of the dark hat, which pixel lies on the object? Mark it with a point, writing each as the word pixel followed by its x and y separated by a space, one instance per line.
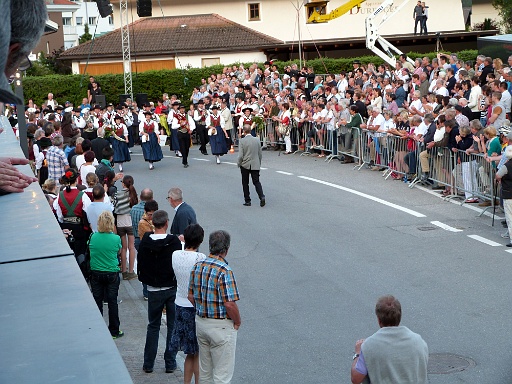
pixel 215 106
pixel 45 142
pixel 175 103
pixel 59 107
pixel 254 97
pixel 49 108
pixel 148 113
pixel 97 106
pixel 119 107
pixel 67 102
pixel 247 108
pixel 147 105
pixel 118 117
pixel 165 111
pixel 356 62
pixel 181 106
pixel 77 110
pixel 110 105
pixel 201 101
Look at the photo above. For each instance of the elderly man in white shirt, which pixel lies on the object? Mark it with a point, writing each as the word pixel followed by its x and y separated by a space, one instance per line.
pixel 376 123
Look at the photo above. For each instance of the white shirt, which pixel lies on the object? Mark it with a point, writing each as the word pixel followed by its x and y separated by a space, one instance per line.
pixel 86 169
pixel 421 129
pixel 80 160
pixel 182 264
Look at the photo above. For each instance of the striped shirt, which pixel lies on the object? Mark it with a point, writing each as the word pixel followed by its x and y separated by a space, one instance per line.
pixel 212 283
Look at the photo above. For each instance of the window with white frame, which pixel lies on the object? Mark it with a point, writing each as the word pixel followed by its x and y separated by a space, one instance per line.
pixel 92 21
pixel 79 21
pixel 66 21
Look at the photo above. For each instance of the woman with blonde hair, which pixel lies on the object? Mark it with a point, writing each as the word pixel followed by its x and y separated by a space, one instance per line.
pixel 104 248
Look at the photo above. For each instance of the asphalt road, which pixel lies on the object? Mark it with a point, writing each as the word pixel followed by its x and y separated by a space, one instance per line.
pixel 311 264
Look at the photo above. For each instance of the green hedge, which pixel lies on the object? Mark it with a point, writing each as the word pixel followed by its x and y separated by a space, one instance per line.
pixel 176 81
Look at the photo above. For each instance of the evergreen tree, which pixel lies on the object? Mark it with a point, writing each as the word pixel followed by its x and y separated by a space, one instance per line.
pixel 86 36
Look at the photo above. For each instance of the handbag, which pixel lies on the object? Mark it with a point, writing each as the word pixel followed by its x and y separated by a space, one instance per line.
pixel 283 129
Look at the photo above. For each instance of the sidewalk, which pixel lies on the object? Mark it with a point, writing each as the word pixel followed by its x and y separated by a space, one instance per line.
pixel 133 318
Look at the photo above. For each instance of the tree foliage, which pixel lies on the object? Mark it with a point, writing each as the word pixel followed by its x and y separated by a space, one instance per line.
pixel 504 8
pixel 86 36
pixel 176 81
pixel 486 25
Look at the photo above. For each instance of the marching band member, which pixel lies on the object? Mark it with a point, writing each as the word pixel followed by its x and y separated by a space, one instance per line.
pixel 217 133
pixel 119 141
pixel 91 125
pixel 228 121
pixel 246 118
pixel 173 122
pixel 58 112
pixel 148 129
pixel 240 103
pixel 200 115
pixel 78 120
pixel 254 105
pixel 98 114
pixel 186 126
pixel 108 116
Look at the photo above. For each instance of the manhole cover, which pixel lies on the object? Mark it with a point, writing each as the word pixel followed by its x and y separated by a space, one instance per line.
pixel 443 363
pixel 427 228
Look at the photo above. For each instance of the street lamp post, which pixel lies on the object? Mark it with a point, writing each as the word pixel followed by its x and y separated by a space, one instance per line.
pixel 20 112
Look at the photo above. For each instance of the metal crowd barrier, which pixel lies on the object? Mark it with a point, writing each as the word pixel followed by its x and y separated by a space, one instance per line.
pixel 349 143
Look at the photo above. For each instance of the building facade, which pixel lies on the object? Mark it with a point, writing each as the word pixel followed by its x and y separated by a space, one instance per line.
pixel 287 19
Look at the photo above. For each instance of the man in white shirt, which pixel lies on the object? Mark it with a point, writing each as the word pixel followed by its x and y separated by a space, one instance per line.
pixel 97 206
pixel 375 124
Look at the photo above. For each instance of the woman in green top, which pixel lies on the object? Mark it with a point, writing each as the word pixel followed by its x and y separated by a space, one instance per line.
pixel 104 247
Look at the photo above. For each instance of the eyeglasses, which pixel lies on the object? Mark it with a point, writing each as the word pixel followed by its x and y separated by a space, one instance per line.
pixel 25 64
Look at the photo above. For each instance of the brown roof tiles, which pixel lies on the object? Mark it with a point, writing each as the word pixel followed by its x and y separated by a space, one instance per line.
pixel 175 35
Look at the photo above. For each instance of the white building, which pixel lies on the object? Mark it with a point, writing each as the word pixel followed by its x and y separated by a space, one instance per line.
pixel 285 19
pixel 73 23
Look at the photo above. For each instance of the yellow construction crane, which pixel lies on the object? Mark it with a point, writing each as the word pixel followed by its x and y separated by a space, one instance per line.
pixel 374 41
pixel 316 17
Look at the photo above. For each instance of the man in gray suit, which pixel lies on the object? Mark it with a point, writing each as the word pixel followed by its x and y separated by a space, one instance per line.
pixel 249 161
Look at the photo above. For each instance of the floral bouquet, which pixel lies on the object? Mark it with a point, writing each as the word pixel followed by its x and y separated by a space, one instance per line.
pixel 258 123
pixel 109 131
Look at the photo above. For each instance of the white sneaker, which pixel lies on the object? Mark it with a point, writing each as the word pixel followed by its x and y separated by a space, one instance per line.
pixel 179 154
pixel 218 160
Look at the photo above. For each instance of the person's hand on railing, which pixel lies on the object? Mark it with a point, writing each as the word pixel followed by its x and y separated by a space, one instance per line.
pixel 11 179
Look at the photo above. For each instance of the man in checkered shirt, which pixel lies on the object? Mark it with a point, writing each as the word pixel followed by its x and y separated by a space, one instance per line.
pixel 213 291
pixel 56 158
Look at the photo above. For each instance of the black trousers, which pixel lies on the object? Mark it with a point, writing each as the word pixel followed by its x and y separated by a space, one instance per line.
pixel 202 136
pixel 255 175
pixel 184 140
pixel 418 20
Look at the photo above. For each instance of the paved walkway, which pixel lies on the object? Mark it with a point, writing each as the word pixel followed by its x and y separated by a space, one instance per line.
pixel 133 318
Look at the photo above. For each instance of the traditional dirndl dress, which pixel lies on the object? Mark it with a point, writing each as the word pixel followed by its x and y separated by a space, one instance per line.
pixel 218 142
pixel 151 148
pixel 121 151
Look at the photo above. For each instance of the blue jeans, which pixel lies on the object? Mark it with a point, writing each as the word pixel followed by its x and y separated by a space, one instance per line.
pixel 107 284
pixel 157 300
pixel 410 160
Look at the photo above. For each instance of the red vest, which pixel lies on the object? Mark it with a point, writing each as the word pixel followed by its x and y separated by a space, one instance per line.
pixel 70 198
pixel 215 120
pixel 149 127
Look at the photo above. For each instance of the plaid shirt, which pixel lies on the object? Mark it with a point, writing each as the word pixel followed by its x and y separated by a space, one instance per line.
pixel 212 283
pixel 56 162
pixel 136 213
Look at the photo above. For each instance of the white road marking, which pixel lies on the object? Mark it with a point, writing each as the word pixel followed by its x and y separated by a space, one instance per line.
pixel 485 241
pixel 445 226
pixel 229 162
pixel 195 158
pixel 263 169
pixel 468 206
pixel 285 173
pixel 508 250
pixel 369 197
